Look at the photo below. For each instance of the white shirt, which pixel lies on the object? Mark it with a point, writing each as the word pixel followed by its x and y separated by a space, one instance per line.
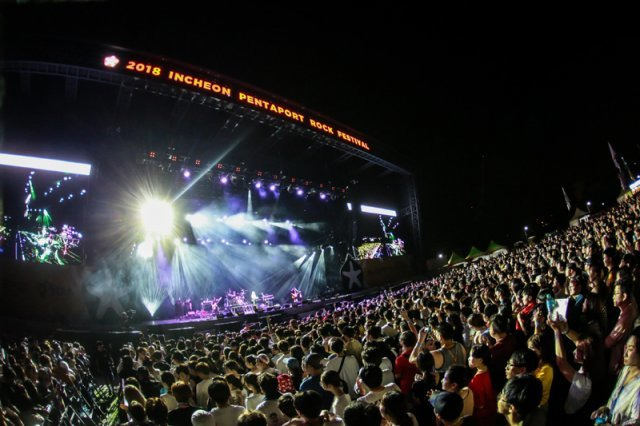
pixel 227 416
pixel 170 401
pixel 579 393
pixel 269 408
pixel 339 404
pixel 388 330
pixel 349 372
pixel 252 401
pixel 374 396
pixel 280 365
pixel 202 393
pixel 387 372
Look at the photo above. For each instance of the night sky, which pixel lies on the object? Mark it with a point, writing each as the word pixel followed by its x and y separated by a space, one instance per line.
pixel 493 115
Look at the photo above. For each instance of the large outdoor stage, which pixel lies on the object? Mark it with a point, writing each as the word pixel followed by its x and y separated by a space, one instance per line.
pixel 181 188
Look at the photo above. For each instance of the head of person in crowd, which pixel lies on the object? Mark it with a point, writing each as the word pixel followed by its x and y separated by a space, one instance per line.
pixel 393 408
pixel 219 392
pixel 133 393
pixel 522 361
pixel 359 413
pixel 308 405
pixel 157 411
pixel 203 371
pixel 408 340
pixel 182 373
pixel 202 418
pixel 373 333
pixel 371 376
pixel 455 378
pixel 576 285
pixel 519 398
pixel 426 365
pixel 331 382
pixel 312 364
pixel 269 386
pixel 137 413
pixel 181 391
pixel 499 327
pixel 479 357
pixel 285 405
pixel 622 294
pixel 252 418
pixel 250 381
pixel 542 345
pixel 445 333
pixel 631 355
pixel 447 407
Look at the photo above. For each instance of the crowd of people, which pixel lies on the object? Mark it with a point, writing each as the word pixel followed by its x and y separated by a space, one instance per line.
pixel 545 334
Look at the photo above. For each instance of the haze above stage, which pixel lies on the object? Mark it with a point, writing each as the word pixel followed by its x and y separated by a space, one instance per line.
pixel 64 97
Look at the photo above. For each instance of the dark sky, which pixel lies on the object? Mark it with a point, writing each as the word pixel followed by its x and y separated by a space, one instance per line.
pixel 493 115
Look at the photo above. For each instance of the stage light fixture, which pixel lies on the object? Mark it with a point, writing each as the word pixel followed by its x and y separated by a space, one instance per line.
pixel 300 192
pixel 258 184
pixel 349 206
pixel 145 249
pixel 224 179
pixel 48 164
pixel 186 174
pixel 272 187
pixel 377 210
pixel 157 217
pixel 323 196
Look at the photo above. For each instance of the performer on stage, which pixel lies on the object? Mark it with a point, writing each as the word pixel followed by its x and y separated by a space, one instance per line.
pixel 296 295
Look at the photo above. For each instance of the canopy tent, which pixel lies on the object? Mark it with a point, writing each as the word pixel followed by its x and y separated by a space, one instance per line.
pixel 455 259
pixel 493 246
pixel 578 216
pixel 474 253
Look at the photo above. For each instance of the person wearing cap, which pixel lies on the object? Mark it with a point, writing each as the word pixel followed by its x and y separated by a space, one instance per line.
pixel 447 407
pixel 313 368
pixel 290 380
pixel 262 362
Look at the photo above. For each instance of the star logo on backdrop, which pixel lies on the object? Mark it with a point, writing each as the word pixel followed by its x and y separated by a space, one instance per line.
pixel 352 274
pixel 108 294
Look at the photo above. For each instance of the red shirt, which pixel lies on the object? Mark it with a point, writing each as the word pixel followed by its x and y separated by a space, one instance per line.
pixel 484 399
pixel 406 370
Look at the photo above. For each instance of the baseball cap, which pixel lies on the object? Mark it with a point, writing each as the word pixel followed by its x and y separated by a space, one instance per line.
pixel 291 362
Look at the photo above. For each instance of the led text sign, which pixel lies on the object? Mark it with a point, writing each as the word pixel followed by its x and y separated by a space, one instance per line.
pixel 228 91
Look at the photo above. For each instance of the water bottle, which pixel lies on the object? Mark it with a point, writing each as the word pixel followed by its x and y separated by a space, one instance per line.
pixel 552 307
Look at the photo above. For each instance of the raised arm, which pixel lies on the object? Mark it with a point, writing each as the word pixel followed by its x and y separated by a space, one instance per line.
pixel 561 358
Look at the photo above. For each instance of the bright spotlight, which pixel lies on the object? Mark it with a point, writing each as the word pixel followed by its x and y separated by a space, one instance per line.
pixel 224 180
pixel 323 196
pixel 145 249
pixel 157 217
pixel 300 192
pixel 196 219
pixel 186 174
pixel 272 187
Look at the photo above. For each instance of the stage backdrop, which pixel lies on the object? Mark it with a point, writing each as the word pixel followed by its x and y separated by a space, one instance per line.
pixel 379 272
pixel 38 292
